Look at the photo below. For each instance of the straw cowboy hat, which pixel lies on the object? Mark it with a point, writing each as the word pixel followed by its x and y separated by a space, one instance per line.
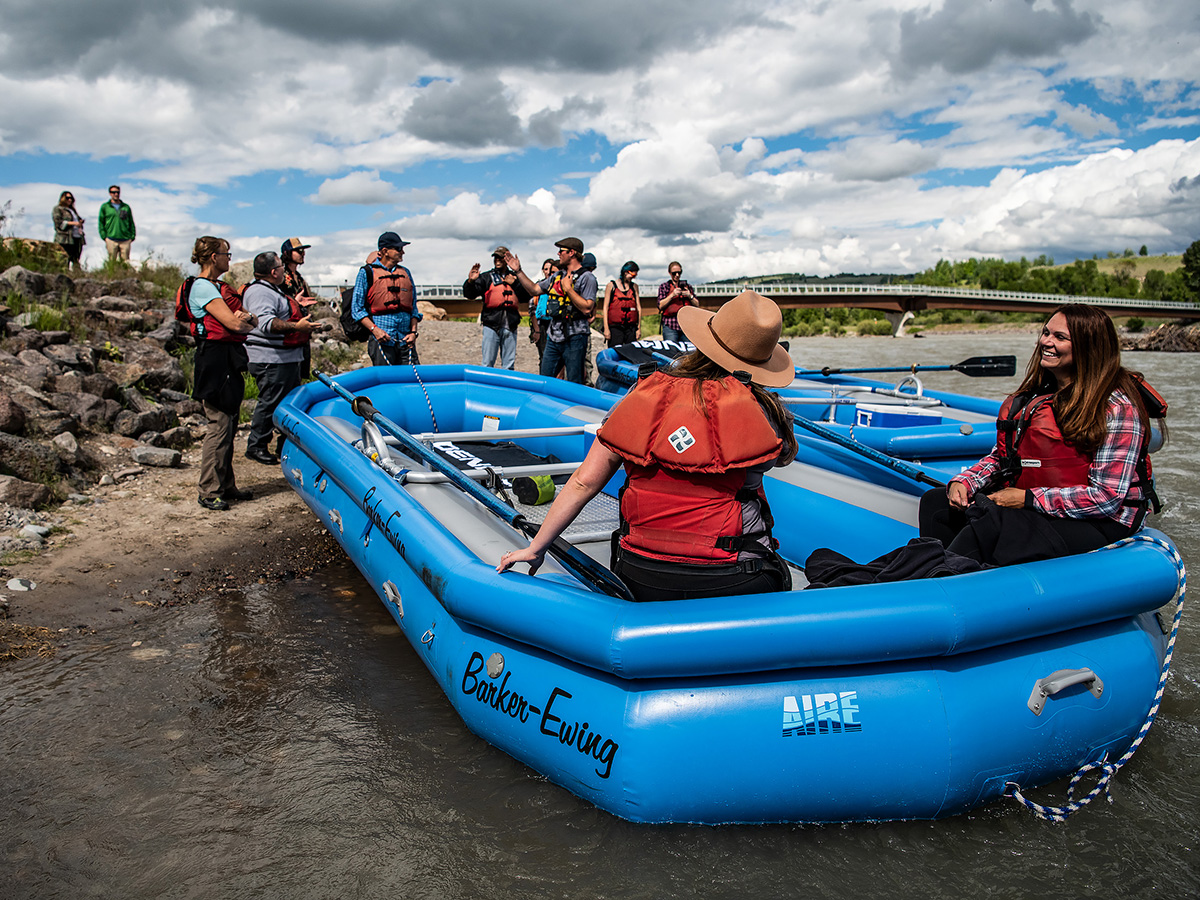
pixel 743 335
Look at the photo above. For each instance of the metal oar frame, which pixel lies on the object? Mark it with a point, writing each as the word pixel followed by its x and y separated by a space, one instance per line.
pixel 579 563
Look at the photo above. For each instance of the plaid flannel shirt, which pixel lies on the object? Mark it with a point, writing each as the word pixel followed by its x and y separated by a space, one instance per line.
pixel 1109 478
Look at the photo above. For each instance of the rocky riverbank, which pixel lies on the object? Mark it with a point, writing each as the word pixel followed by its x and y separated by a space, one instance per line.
pixel 1166 338
pixel 99 459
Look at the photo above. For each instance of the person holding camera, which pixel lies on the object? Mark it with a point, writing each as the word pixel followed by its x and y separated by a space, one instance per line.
pixel 674 295
pixel 275 348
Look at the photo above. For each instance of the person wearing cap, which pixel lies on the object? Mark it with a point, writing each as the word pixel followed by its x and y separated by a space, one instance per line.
pixel 385 302
pixel 502 296
pixel 622 308
pixel 674 295
pixel 275 349
pixel 294 285
pixel 571 300
pixel 695 442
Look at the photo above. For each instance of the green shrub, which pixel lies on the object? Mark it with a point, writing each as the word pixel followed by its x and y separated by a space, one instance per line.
pixel 1135 324
pixel 15 253
pixel 875 326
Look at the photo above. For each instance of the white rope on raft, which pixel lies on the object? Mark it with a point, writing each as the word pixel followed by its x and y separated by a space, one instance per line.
pixel 1107 769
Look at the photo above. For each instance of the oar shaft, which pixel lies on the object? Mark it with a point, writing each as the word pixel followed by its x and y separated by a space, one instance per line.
pixel 882 458
pixel 975 366
pixel 580 563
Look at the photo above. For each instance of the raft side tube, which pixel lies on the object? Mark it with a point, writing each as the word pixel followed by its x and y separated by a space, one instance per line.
pixel 753 633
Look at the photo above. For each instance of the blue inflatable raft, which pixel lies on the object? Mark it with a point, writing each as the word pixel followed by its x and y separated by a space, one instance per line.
pixel 894 701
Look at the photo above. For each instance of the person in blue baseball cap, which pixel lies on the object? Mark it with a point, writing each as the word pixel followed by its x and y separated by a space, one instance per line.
pixel 385 302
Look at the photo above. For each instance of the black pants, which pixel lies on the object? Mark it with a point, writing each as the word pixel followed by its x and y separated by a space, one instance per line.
pixel 275 381
pixel 392 353
pixel 621 334
pixel 1000 536
pixel 650 579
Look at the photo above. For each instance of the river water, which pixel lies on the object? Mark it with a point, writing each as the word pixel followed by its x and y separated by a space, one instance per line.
pixel 285 741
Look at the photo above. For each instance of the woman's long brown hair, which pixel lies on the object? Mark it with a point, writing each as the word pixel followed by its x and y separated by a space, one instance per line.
pixel 1081 406
pixel 700 368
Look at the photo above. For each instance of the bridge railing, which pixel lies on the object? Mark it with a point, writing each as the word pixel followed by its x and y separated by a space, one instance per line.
pixel 453 292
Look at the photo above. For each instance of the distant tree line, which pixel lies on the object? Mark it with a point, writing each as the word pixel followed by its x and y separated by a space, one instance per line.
pixel 1081 279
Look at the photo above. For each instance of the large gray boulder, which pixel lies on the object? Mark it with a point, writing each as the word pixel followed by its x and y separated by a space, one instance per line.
pixel 12 416
pixel 163 457
pixel 72 356
pixel 27 460
pixel 19 280
pixel 92 412
pixel 23 494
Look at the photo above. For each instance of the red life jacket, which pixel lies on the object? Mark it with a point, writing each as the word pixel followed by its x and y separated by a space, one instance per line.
pixel 499 296
pixel 390 292
pixel 622 306
pixel 678 303
pixel 1033 452
pixel 207 327
pixel 295 314
pixel 686 468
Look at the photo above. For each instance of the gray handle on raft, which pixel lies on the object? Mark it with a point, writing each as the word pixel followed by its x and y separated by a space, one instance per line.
pixel 1060 680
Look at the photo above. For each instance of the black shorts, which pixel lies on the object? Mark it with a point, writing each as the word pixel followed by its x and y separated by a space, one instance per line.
pixel 652 579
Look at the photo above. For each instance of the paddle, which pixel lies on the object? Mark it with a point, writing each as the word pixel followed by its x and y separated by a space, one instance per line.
pixel 976 366
pixel 579 563
pixel 862 450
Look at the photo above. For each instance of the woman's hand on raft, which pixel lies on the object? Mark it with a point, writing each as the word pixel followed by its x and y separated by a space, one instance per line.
pixel 527 555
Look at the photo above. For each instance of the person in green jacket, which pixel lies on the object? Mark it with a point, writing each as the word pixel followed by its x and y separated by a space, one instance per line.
pixel 116 225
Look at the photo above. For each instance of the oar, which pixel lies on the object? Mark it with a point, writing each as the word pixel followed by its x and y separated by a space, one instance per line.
pixel 580 563
pixel 862 450
pixel 976 366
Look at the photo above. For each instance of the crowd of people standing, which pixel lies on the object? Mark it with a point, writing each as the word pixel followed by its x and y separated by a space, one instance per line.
pixel 1075 395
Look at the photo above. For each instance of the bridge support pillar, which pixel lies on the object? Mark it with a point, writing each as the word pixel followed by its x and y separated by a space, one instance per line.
pixel 899 320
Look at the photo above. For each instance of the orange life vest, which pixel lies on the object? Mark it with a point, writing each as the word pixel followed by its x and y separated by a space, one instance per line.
pixel 500 295
pixel 686 468
pixel 390 292
pixel 1034 451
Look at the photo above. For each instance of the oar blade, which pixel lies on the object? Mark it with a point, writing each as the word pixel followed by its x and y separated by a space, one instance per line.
pixel 988 366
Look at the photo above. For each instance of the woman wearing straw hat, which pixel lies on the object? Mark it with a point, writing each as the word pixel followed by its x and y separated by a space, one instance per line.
pixel 695 443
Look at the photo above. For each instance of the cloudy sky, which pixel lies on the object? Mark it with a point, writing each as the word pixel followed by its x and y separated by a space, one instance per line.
pixel 739 137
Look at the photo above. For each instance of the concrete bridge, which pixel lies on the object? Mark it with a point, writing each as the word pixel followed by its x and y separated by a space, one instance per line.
pixel 897 302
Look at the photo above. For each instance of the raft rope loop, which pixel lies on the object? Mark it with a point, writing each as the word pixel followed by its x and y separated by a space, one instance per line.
pixel 1109 769
pixel 412 353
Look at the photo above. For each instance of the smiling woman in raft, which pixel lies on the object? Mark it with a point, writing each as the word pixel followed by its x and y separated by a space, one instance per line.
pixel 1070 471
pixel 695 443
